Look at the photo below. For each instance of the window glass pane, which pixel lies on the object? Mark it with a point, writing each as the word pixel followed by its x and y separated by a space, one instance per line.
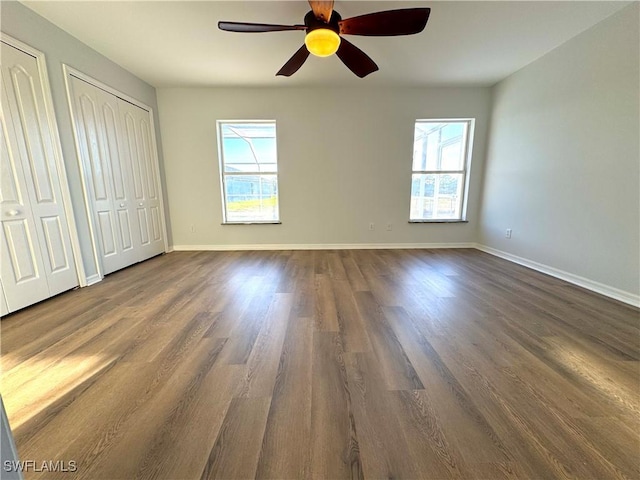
pixel 451 155
pixel 425 146
pixel 249 147
pixel 251 198
pixel 452 130
pixel 439 146
pixel 436 196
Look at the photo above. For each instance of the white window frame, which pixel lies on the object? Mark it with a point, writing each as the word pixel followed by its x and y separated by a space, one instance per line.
pixel 468 148
pixel 223 174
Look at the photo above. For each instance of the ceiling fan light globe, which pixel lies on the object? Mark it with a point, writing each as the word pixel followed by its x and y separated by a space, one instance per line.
pixel 322 42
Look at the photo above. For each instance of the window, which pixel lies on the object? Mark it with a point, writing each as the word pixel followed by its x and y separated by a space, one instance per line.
pixel 441 156
pixel 248 171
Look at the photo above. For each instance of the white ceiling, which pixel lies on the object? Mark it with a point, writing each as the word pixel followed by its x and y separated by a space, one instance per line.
pixel 177 43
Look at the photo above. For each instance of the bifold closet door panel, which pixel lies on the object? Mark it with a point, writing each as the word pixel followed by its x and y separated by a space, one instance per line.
pixel 141 155
pixel 35 232
pixel 4 309
pixel 107 175
pixel 23 273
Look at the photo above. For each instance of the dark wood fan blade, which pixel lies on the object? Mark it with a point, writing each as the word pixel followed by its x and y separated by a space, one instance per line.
pixel 295 62
pixel 322 10
pixel 355 59
pixel 243 27
pixel 385 24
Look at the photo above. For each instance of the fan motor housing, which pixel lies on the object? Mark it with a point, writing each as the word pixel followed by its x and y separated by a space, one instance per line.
pixel 313 23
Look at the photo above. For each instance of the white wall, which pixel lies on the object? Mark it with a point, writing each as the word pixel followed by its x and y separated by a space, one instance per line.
pixel 60 47
pixel 344 158
pixel 563 160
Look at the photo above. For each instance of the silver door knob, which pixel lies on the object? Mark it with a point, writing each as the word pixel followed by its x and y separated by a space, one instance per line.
pixel 13 213
pixel 122 205
pixel 141 204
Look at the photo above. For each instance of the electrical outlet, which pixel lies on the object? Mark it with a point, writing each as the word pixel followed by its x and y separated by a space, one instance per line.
pixel 389 227
pixel 507 233
pixel 372 226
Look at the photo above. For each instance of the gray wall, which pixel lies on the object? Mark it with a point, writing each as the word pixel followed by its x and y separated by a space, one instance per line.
pixel 60 47
pixel 8 451
pixel 563 161
pixel 344 158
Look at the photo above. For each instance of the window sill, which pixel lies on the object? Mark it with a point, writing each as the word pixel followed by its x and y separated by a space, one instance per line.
pixel 438 221
pixel 253 223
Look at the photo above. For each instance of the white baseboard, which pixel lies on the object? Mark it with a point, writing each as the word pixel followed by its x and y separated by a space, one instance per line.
pixel 322 246
pixel 606 290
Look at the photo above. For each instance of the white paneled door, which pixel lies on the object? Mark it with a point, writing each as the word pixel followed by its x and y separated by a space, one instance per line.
pixel 120 175
pixel 4 308
pixel 106 175
pixel 37 260
pixel 141 153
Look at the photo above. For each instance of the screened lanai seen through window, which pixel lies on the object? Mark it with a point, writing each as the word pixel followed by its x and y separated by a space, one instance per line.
pixel 441 160
pixel 249 171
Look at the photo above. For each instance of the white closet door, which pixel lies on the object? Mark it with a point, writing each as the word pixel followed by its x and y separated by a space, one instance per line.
pixel 37 260
pixel 120 172
pixel 141 156
pixel 4 309
pixel 107 174
pixel 22 270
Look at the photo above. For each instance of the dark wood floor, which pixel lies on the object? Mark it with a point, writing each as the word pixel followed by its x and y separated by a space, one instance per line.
pixel 327 364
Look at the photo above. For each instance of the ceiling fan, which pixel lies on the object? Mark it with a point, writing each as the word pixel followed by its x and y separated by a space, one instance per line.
pixel 324 28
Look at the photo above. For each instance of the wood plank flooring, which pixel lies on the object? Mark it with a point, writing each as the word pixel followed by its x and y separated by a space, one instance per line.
pixel 326 364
